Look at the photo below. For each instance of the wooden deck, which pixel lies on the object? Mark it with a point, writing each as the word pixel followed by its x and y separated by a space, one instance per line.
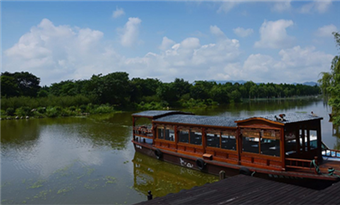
pixel 327 164
pixel 243 189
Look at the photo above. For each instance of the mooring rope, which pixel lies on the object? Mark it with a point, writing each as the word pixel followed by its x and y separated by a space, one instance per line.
pixel 317 169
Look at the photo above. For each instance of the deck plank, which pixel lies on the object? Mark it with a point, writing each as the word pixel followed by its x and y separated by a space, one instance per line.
pixel 243 189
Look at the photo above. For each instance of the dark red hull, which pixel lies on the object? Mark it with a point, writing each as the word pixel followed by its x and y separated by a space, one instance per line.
pixel 215 167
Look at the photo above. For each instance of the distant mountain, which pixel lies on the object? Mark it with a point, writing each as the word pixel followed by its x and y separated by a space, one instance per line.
pixel 230 81
pixel 242 82
pixel 310 83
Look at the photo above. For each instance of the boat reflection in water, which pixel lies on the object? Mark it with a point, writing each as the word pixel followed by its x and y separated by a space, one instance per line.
pixel 163 178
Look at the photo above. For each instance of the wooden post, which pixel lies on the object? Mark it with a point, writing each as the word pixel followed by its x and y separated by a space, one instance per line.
pixel 176 136
pixel 204 140
pixel 239 144
pixel 149 195
pixel 297 139
pixel 221 174
pixel 303 140
pixel 283 148
pixel 319 142
pixel 316 164
pixel 308 140
pixel 133 128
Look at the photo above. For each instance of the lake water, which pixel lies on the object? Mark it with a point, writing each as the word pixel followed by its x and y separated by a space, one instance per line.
pixel 92 161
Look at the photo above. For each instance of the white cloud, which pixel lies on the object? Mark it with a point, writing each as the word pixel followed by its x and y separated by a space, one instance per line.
pixel 281 6
pixel 217 31
pixel 326 31
pixel 118 12
pixel 241 32
pixel 274 34
pixel 316 6
pixel 226 6
pixel 189 59
pixel 130 32
pixel 56 53
pixel 166 43
pixel 295 65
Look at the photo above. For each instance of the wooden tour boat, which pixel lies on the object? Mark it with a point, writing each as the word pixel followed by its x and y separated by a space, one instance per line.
pixel 285 147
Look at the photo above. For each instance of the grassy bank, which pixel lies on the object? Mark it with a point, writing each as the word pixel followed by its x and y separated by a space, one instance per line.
pixel 55 111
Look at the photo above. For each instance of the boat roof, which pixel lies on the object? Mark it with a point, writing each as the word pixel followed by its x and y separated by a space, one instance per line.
pixel 285 119
pixel 179 117
pixel 200 120
pixel 221 121
pixel 153 114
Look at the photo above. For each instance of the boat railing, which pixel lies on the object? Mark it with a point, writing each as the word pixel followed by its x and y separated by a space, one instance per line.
pixel 305 164
pixel 331 153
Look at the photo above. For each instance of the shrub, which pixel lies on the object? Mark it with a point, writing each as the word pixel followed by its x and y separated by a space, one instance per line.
pixel 103 109
pixel 83 108
pixel 41 110
pixel 3 113
pixel 23 111
pixel 52 112
pixel 10 111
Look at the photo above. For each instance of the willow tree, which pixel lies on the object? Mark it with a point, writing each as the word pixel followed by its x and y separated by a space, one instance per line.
pixel 330 84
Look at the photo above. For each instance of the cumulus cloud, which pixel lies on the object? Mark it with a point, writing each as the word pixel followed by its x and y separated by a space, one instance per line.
pixel 273 34
pixel 130 32
pixel 118 12
pixel 56 53
pixel 217 31
pixel 326 31
pixel 166 43
pixel 295 65
pixel 190 60
pixel 225 7
pixel 316 6
pixel 281 6
pixel 241 32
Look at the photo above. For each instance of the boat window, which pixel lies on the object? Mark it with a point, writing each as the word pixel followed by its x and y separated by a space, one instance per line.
pixel 270 147
pixel 213 140
pixel 183 136
pixel 196 138
pixel 228 142
pixel 270 142
pixel 169 134
pixel 313 139
pixel 160 132
pixel 250 144
pixel 265 142
pixel 290 146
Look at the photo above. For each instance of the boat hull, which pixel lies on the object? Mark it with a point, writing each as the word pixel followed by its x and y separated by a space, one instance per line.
pixel 215 168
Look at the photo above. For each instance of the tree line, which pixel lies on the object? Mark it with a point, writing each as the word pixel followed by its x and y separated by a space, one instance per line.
pixel 116 89
pixel 330 84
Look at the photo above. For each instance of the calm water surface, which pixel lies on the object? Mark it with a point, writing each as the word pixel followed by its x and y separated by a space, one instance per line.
pixel 92 161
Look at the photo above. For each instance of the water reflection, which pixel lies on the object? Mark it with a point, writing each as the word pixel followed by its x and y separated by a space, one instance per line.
pixel 163 178
pixel 91 160
pixel 43 160
pixel 22 134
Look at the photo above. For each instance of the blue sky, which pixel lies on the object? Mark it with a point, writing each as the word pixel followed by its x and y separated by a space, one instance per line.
pixel 262 41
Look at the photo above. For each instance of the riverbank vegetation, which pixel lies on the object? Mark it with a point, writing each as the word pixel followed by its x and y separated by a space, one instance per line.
pixel 330 84
pixel 23 96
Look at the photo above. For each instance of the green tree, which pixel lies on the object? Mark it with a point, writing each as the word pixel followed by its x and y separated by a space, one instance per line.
pixel 9 88
pixel 23 84
pixel 330 84
pixel 167 92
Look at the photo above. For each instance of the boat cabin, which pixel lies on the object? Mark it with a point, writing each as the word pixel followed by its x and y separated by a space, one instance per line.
pixel 273 142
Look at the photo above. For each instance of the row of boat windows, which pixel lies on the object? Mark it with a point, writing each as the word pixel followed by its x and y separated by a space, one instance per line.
pixel 195 138
pixel 249 144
